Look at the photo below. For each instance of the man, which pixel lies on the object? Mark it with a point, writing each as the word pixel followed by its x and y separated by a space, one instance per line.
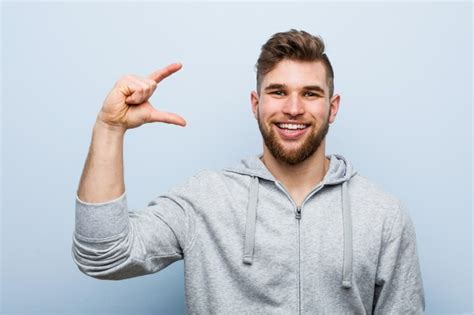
pixel 290 231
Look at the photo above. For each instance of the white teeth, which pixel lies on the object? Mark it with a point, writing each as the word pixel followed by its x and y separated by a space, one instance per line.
pixel 292 126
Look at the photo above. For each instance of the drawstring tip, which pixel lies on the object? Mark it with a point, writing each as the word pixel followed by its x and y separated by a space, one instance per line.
pixel 346 284
pixel 247 260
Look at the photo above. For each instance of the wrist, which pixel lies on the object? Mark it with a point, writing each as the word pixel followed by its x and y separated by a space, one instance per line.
pixel 106 128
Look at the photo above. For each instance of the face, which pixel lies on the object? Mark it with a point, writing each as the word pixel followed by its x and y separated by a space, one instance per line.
pixel 294 110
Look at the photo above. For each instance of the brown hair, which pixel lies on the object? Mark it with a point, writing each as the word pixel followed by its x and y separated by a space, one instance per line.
pixel 293 45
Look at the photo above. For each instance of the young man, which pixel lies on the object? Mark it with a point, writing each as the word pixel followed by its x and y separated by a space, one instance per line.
pixel 289 231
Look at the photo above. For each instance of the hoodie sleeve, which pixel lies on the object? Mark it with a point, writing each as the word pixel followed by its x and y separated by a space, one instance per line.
pixel 398 286
pixel 111 242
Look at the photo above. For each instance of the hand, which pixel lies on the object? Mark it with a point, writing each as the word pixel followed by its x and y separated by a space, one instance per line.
pixel 127 106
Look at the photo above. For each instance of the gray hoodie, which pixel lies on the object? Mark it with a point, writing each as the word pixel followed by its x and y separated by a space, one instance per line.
pixel 349 249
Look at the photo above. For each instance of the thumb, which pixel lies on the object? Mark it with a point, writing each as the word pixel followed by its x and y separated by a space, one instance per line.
pixel 165 117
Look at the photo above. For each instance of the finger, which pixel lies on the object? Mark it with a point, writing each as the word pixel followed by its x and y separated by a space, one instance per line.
pixel 129 90
pixel 142 90
pixel 152 84
pixel 169 118
pixel 159 75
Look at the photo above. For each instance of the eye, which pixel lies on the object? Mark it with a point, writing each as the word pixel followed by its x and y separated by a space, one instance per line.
pixel 310 94
pixel 278 92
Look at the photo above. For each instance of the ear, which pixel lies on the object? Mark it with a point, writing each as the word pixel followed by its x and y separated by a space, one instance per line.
pixel 334 107
pixel 254 101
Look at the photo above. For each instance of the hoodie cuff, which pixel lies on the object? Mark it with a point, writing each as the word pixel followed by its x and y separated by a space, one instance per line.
pixel 102 220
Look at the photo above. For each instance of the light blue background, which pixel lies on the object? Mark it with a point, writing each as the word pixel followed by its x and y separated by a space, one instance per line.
pixel 404 72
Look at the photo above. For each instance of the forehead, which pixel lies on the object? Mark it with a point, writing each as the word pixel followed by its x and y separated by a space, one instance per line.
pixel 296 74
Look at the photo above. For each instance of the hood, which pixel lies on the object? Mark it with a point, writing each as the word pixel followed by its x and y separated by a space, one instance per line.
pixel 340 171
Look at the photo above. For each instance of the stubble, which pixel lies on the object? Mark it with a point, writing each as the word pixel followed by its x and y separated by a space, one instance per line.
pixel 296 155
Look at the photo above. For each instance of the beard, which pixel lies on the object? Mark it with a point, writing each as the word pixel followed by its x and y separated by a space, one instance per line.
pixel 295 155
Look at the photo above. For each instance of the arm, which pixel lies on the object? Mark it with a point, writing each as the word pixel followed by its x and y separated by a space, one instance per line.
pixel 109 241
pixel 112 242
pixel 102 177
pixel 399 286
pixel 125 107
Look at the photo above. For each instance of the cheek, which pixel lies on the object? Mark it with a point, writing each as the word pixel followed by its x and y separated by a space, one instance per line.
pixel 269 109
pixel 319 111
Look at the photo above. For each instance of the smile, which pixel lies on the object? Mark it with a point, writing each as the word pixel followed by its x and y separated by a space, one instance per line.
pixel 291 126
pixel 291 131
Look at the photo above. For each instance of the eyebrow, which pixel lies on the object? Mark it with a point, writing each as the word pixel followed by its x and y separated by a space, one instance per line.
pixel 275 86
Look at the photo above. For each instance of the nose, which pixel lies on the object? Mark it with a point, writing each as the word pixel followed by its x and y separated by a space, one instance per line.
pixel 293 106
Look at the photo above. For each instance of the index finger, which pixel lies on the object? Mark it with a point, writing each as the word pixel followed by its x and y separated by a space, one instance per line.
pixel 159 75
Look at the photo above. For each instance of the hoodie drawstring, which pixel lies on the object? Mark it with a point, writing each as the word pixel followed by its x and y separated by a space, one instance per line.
pixel 250 223
pixel 347 222
pixel 347 228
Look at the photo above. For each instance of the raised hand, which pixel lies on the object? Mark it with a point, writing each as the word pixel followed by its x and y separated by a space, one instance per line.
pixel 127 106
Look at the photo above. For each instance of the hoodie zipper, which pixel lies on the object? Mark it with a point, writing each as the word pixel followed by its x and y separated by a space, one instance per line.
pixel 298 219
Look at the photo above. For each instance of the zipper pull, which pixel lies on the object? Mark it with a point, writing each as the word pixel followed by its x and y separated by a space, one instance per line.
pixel 298 213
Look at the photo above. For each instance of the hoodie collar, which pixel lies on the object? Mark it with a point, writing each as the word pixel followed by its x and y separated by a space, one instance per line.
pixel 340 169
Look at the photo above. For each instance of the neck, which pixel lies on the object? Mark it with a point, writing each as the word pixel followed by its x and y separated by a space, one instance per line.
pixel 302 177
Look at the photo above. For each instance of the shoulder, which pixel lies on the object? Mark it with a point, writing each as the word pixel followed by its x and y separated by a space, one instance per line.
pixel 201 180
pixel 367 191
pixel 372 201
pixel 211 184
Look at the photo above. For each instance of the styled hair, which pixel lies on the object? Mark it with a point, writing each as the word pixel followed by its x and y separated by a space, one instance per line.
pixel 293 45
